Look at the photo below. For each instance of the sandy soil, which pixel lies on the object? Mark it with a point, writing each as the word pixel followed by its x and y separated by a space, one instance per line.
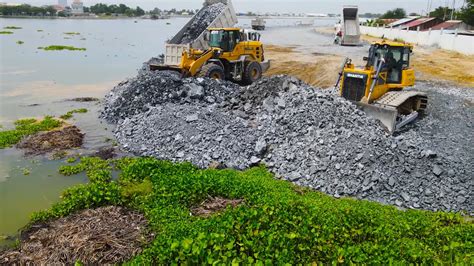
pixel 315 69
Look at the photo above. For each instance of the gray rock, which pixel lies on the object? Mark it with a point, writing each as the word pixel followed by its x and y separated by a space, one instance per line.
pixel 192 118
pixel 437 170
pixel 260 146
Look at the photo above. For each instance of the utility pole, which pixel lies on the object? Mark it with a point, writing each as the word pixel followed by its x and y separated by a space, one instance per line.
pixel 454 8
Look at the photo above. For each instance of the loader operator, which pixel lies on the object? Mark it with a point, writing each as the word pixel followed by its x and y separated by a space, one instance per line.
pixel 391 65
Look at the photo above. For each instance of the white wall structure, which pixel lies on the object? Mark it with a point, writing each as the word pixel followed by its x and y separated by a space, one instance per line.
pixel 77 7
pixel 443 39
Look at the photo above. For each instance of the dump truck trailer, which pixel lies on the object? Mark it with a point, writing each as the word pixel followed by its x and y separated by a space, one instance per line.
pixel 225 19
pixel 350 26
pixel 258 23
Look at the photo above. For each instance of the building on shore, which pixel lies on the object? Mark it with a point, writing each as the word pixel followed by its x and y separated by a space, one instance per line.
pixel 62 3
pixel 77 7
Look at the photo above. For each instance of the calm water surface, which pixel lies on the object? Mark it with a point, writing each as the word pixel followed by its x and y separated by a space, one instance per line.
pixel 29 76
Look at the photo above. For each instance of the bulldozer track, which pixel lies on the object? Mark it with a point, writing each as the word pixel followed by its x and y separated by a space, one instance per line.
pixel 397 98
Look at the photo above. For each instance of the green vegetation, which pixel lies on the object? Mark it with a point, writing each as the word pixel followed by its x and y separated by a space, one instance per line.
pixel 27 10
pixel 26 171
pixel 116 9
pixel 20 42
pixel 61 47
pixel 39 30
pixel 12 28
pixel 6 32
pixel 395 13
pixel 25 127
pixel 277 222
pixel 69 114
pixel 467 13
pixel 72 33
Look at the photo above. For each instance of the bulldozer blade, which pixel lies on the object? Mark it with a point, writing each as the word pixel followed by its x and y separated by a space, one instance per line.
pixel 385 114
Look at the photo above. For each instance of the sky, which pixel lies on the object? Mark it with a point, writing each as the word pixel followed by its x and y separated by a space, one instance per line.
pixel 296 6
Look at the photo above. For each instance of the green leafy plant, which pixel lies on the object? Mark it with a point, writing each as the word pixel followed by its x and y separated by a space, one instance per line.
pixel 69 114
pixel 25 127
pixel 20 42
pixel 278 223
pixel 61 47
pixel 6 32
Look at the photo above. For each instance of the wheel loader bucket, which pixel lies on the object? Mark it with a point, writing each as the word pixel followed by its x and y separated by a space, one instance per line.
pixel 265 65
pixel 165 67
pixel 387 115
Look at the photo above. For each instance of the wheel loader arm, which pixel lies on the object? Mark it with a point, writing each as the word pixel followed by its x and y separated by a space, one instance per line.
pixel 194 65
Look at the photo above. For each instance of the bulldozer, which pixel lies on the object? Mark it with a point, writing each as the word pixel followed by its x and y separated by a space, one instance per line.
pixel 378 88
pixel 234 54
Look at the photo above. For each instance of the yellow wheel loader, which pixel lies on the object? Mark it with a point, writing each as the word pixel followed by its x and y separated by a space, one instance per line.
pixel 233 54
pixel 378 87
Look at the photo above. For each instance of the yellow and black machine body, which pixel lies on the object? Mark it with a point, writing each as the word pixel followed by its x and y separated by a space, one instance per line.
pixel 378 87
pixel 234 54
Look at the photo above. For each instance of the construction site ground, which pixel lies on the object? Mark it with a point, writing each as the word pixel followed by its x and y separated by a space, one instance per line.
pixel 430 63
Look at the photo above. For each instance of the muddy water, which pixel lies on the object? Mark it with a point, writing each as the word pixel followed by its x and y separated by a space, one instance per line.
pixel 35 83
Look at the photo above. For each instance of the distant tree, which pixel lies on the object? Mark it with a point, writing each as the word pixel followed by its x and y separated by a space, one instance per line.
pixel 467 13
pixel 62 14
pixel 395 13
pixel 441 12
pixel 155 11
pixel 413 14
pixel 87 9
pixel 139 11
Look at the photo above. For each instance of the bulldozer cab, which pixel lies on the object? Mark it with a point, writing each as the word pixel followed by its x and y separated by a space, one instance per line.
pixel 225 39
pixel 396 58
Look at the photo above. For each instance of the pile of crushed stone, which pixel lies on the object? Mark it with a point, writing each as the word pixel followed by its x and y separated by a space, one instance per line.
pixel 201 21
pixel 107 235
pixel 152 88
pixel 311 137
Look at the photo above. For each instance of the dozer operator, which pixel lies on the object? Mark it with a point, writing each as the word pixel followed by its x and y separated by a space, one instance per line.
pixel 234 54
pixel 378 87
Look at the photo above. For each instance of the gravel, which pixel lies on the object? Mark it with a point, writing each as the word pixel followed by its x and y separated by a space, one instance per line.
pixel 151 88
pixel 308 136
pixel 201 21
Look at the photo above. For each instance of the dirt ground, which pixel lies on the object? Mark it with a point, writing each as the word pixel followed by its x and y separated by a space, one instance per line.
pixel 57 140
pixel 213 205
pixel 107 235
pixel 320 70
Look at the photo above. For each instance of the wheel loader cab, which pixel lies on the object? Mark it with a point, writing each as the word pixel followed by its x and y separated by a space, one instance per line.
pixel 224 39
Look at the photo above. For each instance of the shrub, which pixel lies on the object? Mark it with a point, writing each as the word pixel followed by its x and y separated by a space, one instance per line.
pixel 278 222
pixel 6 32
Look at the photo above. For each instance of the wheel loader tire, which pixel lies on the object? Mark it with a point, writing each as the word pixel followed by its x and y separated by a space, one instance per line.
pixel 212 71
pixel 252 73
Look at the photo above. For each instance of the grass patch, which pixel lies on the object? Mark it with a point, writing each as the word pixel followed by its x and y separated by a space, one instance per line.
pixel 6 32
pixel 72 33
pixel 12 28
pixel 69 114
pixel 20 42
pixel 275 224
pixel 25 127
pixel 61 47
